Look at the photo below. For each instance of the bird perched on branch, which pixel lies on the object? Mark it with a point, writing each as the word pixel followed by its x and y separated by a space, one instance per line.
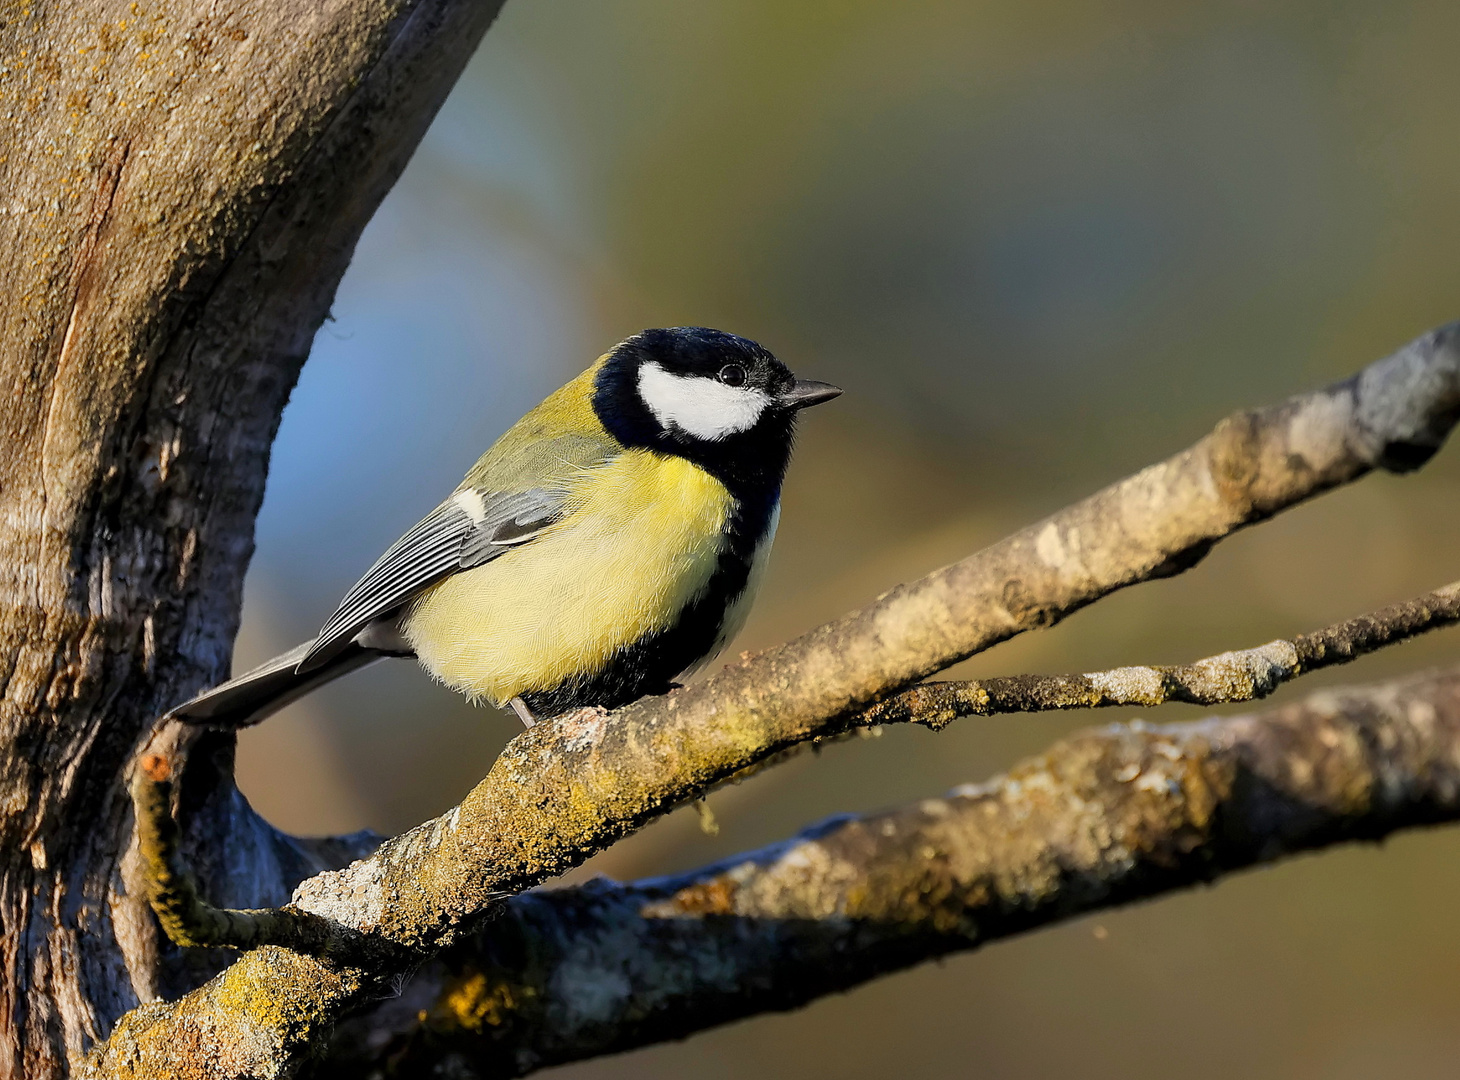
pixel 610 541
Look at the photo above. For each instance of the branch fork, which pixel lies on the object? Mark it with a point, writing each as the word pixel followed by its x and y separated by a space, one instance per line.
pixel 189 920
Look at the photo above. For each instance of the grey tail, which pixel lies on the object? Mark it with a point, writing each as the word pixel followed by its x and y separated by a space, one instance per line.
pixel 257 694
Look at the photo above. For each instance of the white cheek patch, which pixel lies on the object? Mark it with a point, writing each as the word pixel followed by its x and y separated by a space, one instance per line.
pixel 700 406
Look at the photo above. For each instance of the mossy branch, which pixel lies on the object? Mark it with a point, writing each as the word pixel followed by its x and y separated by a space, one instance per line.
pixel 1244 675
pixel 190 921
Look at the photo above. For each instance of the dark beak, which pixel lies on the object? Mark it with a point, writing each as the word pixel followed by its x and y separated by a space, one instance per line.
pixel 807 392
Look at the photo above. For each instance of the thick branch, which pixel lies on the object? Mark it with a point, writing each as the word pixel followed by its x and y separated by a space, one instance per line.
pixel 573 785
pixel 1244 675
pixel 1103 818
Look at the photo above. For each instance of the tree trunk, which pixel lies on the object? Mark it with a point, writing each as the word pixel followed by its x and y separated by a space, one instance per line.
pixel 183 186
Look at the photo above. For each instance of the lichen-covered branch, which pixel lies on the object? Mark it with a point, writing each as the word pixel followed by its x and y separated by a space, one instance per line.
pixel 188 919
pixel 572 785
pixel 1243 675
pixel 1104 817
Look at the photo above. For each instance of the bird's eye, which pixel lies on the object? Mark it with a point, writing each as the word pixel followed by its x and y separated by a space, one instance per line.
pixel 732 375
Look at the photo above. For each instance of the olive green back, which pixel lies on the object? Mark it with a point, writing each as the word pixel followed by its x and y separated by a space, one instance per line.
pixel 550 445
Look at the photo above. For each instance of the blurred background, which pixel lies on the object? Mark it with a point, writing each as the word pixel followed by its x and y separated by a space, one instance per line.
pixel 1041 243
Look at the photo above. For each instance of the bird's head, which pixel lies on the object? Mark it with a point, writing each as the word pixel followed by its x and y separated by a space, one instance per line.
pixel 720 400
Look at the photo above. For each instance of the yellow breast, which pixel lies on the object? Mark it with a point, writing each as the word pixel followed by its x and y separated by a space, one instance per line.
pixel 640 541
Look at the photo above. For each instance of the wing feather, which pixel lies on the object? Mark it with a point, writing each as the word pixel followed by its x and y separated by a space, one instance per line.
pixel 469 529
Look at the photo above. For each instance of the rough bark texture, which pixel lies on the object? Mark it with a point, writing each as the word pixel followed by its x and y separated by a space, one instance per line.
pixel 181 186
pixel 1105 817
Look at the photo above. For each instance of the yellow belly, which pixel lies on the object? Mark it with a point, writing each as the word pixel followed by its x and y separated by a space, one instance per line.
pixel 640 541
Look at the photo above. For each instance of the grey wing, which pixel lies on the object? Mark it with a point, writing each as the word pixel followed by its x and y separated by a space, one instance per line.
pixel 468 529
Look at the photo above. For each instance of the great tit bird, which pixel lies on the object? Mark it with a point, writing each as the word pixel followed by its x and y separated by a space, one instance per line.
pixel 612 540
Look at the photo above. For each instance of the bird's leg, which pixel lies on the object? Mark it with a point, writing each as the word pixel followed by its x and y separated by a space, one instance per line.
pixel 523 712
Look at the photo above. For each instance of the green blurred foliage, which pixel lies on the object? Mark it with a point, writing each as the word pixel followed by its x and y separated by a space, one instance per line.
pixel 1041 245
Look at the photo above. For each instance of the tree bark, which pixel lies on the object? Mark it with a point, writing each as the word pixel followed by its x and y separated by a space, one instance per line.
pixel 183 185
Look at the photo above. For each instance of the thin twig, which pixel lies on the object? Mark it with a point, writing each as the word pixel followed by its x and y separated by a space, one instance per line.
pixel 1244 675
pixel 190 921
